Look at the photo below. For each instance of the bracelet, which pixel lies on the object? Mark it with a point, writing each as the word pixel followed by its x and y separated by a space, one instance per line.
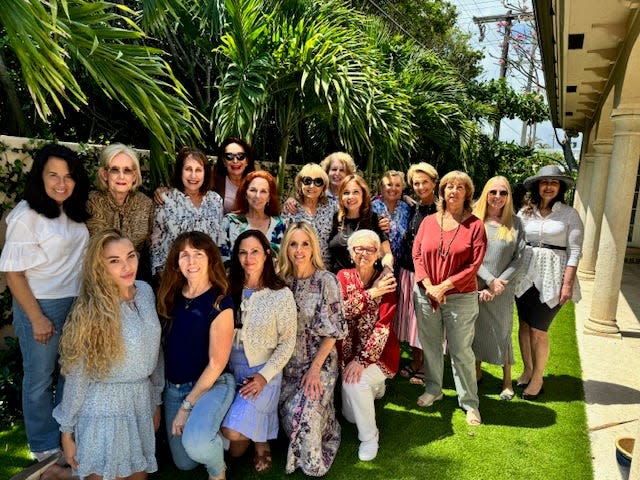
pixel 186 405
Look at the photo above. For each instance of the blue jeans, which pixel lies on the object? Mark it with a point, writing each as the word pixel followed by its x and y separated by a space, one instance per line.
pixel 456 319
pixel 200 442
pixel 40 364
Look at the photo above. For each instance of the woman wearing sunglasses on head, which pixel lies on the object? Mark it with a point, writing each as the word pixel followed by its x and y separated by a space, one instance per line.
pixel 312 204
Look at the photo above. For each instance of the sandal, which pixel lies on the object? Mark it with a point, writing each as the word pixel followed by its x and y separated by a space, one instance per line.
pixel 473 417
pixel 417 378
pixel 407 371
pixel 262 463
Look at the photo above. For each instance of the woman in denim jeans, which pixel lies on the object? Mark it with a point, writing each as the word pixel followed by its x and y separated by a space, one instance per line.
pixel 198 316
pixel 42 261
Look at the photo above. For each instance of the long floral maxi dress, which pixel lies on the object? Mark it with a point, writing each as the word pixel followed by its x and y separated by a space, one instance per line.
pixel 311 425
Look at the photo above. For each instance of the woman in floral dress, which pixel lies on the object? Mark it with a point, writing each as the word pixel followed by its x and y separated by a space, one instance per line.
pixel 306 400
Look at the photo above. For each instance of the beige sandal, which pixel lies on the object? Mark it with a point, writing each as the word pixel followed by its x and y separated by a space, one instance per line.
pixel 473 417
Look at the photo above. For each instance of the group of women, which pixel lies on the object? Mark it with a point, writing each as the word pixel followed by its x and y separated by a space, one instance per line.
pixel 350 276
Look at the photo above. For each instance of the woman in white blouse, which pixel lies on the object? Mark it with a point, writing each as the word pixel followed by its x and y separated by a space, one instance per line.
pixel 190 205
pixel 42 262
pixel 266 321
pixel 553 232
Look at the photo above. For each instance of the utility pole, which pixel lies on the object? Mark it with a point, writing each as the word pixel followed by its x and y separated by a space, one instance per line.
pixel 525 125
pixel 508 18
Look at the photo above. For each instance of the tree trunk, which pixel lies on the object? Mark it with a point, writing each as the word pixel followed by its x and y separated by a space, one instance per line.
pixel 19 120
pixel 282 162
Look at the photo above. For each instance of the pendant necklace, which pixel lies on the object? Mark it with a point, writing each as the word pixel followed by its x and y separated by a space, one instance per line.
pixel 441 251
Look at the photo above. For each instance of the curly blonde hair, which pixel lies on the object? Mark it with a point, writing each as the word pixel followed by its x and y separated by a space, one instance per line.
pixel 92 334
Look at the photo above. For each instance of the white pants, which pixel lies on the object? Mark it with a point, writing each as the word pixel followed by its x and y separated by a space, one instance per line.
pixel 358 398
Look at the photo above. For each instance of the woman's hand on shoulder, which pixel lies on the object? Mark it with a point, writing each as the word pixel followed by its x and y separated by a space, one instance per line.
pixel 290 206
pixel 386 283
pixel 157 195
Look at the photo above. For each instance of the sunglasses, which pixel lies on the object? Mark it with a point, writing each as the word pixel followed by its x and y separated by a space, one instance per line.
pixel 502 193
pixel 237 156
pixel 318 182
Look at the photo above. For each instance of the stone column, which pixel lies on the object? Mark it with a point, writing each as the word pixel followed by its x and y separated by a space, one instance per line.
pixel 615 222
pixel 601 160
pixel 583 184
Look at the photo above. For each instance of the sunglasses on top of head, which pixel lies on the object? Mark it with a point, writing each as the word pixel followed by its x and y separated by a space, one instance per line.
pixel 237 156
pixel 502 193
pixel 318 182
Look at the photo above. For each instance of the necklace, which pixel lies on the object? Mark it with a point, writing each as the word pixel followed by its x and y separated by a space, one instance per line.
pixel 441 251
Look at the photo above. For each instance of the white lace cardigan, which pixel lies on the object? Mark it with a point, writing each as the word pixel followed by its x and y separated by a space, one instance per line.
pixel 269 322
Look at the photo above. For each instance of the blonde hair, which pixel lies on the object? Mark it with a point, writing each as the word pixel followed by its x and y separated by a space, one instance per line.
pixel 285 266
pixel 423 167
pixel 459 176
pixel 107 154
pixel 505 231
pixel 92 334
pixel 344 158
pixel 315 171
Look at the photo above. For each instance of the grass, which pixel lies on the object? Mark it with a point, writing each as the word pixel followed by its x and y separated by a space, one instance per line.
pixel 547 439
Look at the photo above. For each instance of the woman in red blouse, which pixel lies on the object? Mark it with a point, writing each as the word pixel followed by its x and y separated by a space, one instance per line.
pixel 447 253
pixel 370 353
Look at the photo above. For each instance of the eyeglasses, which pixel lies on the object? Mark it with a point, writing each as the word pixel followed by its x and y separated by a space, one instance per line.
pixel 240 156
pixel 127 172
pixel 502 193
pixel 365 250
pixel 318 182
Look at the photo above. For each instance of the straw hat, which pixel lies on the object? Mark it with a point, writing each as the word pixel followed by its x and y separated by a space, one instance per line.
pixel 549 172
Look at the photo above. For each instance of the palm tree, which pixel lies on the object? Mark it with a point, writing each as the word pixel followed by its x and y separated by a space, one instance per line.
pixel 303 61
pixel 56 41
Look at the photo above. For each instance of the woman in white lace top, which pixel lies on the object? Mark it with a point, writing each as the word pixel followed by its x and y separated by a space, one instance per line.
pixel 553 232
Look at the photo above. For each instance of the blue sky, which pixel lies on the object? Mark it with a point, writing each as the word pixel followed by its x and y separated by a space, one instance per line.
pixel 491 45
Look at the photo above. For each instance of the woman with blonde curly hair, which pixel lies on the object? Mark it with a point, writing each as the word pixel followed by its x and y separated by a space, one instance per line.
pixel 109 354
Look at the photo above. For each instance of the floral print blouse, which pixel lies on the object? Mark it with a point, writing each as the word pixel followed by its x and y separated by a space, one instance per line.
pixel 322 221
pixel 233 224
pixel 399 222
pixel 371 338
pixel 178 215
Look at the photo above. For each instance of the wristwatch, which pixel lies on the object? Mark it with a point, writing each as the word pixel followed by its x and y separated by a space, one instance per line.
pixel 186 405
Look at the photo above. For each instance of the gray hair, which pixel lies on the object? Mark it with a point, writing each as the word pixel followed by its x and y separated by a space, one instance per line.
pixel 363 235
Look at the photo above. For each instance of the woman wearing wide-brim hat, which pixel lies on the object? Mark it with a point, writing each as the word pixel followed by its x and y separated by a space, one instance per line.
pixel 553 232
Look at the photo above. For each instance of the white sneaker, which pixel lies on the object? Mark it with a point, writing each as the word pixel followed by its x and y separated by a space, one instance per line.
pixel 40 456
pixel 368 450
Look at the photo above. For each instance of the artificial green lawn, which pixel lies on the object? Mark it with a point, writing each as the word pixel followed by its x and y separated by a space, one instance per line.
pixel 546 439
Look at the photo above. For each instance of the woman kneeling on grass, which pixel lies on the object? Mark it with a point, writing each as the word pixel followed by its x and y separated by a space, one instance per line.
pixel 198 330
pixel 109 354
